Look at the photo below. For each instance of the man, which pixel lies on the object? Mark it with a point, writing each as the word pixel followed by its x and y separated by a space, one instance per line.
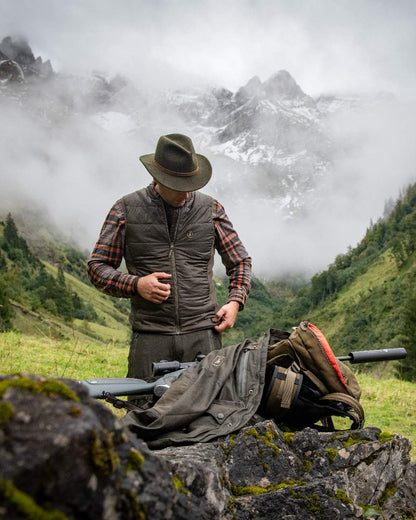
pixel 167 234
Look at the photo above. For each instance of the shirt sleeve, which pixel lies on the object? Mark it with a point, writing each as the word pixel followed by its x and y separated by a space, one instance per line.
pixel 234 256
pixel 107 256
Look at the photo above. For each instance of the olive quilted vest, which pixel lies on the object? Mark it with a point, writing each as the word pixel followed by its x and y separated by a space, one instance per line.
pixel 187 253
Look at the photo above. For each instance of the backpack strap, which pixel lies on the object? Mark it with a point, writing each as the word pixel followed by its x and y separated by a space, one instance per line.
pixel 355 411
pixel 283 390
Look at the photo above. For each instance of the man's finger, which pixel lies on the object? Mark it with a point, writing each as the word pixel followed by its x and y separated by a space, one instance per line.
pixel 160 275
pixel 221 326
pixel 160 298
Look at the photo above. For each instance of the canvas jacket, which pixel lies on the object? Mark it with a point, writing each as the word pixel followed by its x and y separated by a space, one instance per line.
pixel 217 396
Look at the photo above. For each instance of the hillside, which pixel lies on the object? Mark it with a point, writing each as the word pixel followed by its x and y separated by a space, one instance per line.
pixel 54 298
pixel 366 299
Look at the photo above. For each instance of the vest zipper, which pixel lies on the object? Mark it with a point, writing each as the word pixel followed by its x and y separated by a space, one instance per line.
pixel 172 262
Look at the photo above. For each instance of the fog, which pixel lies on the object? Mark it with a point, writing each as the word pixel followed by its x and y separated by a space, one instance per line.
pixel 76 168
pixel 326 45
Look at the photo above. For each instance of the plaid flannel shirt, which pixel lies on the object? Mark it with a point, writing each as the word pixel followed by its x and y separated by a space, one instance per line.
pixel 107 257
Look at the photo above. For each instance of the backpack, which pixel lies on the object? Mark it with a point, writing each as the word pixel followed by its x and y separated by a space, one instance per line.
pixel 305 383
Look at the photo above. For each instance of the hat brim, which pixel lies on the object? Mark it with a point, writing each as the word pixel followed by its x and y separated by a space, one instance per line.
pixel 179 183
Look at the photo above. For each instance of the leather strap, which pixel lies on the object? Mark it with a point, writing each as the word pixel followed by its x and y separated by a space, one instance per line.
pixel 356 413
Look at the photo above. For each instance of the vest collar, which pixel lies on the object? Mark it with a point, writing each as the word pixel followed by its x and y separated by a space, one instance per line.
pixel 152 192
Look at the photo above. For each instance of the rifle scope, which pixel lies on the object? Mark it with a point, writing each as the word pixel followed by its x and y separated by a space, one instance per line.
pixel 163 367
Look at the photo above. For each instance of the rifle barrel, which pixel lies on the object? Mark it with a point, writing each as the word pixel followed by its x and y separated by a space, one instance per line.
pixel 366 356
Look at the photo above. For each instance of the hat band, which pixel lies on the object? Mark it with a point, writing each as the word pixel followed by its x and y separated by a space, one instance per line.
pixel 172 172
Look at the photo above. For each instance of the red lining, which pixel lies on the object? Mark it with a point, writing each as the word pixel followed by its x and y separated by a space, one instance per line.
pixel 328 351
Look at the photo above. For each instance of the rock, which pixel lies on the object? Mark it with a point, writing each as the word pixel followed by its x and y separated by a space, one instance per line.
pixel 19 51
pixel 66 456
pixel 10 71
pixel 308 474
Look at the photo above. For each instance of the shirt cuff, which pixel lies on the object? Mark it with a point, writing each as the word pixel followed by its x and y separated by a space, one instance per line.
pixel 235 298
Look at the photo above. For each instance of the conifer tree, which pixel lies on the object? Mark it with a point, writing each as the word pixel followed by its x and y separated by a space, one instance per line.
pixel 6 311
pixel 63 298
pixel 60 278
pixel 11 235
pixel 3 264
pixel 15 245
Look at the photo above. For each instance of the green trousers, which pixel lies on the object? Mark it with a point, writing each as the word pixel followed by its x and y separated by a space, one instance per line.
pixel 146 348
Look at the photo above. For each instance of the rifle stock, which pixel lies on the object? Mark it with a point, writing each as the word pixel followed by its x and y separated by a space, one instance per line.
pixel 129 386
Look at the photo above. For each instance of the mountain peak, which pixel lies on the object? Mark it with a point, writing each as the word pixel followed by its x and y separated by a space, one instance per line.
pixel 252 88
pixel 279 87
pixel 18 51
pixel 282 85
pixel 253 84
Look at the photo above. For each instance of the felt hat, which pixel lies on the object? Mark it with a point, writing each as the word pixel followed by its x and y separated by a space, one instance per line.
pixel 175 164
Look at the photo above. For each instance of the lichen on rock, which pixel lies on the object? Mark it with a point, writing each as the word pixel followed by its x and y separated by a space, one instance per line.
pixel 67 455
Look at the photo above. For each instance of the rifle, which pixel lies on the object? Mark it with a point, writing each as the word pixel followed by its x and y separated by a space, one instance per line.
pixel 131 386
pixel 109 388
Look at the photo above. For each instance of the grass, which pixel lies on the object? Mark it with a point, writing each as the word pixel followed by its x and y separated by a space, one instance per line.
pixel 388 403
pixel 75 359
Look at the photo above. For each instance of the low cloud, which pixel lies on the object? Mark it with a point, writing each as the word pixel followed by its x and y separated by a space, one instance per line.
pixel 348 45
pixel 77 168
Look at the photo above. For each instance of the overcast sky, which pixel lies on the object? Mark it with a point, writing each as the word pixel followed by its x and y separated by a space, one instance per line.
pixel 327 45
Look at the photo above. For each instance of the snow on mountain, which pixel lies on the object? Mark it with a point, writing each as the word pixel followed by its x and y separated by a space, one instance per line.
pixel 273 130
pixel 279 155
pixel 271 137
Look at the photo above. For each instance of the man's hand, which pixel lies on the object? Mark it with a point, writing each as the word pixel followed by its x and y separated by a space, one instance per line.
pixel 151 287
pixel 226 316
